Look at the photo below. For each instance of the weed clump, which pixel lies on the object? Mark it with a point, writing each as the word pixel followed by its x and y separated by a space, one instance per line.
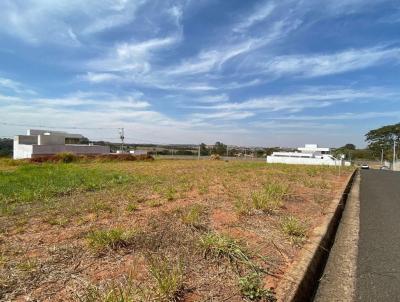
pixel 270 198
pixel 293 227
pixel 168 278
pixel 252 289
pixel 112 239
pixel 132 207
pixel 222 246
pixel 192 216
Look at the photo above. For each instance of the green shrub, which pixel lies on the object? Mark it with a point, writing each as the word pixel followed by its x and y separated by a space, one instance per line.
pixel 252 289
pixel 66 157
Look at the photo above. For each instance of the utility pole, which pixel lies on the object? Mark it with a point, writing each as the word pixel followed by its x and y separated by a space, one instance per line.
pixel 198 154
pixel 227 151
pixel 382 157
pixel 122 137
pixel 394 153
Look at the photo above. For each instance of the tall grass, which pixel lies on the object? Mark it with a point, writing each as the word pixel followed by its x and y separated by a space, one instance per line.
pixel 271 197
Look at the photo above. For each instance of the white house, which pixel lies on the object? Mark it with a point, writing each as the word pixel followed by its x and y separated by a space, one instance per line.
pixel 139 152
pixel 47 142
pixel 310 154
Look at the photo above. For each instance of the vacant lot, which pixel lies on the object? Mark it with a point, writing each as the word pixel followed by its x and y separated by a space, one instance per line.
pixel 155 231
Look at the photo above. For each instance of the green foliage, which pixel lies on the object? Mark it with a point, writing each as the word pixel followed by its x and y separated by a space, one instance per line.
pixel 39 182
pixel 219 148
pixel 112 238
pixel 168 277
pixel 252 289
pixel 203 149
pixel 6 147
pixel 66 157
pixel 382 138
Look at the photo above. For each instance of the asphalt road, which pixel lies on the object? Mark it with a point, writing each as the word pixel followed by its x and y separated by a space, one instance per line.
pixel 378 261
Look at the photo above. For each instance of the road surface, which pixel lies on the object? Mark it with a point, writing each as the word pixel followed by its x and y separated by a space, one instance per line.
pixel 364 264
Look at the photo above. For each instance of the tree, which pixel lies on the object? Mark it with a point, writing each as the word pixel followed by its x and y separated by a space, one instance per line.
pixel 6 147
pixel 382 139
pixel 203 149
pixel 219 148
pixel 349 147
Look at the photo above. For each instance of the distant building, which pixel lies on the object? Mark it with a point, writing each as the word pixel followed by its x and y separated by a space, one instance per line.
pixel 310 154
pixel 139 152
pixel 47 142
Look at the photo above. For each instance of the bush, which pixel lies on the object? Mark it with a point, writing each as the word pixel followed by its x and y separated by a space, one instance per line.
pixel 251 289
pixel 66 157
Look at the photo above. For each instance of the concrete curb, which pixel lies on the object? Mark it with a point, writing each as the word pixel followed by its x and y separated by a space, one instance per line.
pixel 300 281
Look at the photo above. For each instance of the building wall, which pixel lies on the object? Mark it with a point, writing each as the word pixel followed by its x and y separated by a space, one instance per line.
pixel 30 151
pixel 26 139
pixel 22 151
pixel 51 139
pixel 39 150
pixel 303 161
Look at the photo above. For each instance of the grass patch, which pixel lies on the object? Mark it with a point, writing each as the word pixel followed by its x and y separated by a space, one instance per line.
pixel 132 207
pixel 112 239
pixel 192 216
pixel 170 193
pixel 270 198
pixel 125 291
pixel 242 207
pixel 222 246
pixel 293 227
pixel 252 289
pixel 38 182
pixel 168 277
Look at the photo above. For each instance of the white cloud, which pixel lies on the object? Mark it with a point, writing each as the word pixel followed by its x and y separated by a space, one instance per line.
pixel 342 116
pixel 313 65
pixel 37 21
pixel 132 57
pixel 15 86
pixel 99 77
pixel 312 98
pixel 260 13
pixel 224 115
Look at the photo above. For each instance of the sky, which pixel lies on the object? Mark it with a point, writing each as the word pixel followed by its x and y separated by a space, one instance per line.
pixel 250 73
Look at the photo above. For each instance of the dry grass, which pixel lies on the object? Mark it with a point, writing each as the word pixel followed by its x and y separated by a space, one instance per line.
pixel 159 230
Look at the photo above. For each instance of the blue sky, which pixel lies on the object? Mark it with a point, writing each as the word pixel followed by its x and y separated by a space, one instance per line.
pixel 263 73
